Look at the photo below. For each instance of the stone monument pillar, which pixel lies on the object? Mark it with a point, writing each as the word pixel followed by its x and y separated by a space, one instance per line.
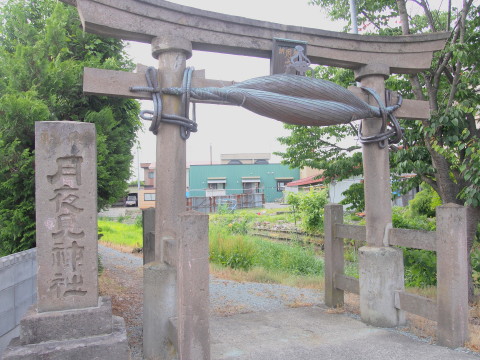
pixel 69 321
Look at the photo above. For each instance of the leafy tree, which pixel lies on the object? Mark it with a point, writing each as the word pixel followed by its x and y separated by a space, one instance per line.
pixel 444 150
pixel 354 197
pixel 310 205
pixel 42 54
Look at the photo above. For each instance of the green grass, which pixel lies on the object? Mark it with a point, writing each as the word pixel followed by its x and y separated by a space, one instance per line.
pixel 239 251
pixel 119 234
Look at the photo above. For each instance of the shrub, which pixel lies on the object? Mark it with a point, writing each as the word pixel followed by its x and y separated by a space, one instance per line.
pixel 425 202
pixel 310 206
pixel 243 252
pixel 420 265
pixel 235 252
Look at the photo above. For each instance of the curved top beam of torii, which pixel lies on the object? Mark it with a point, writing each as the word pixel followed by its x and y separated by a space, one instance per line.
pixel 143 20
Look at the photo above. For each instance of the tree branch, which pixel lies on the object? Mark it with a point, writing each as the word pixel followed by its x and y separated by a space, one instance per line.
pixel 461 40
pixel 370 19
pixel 416 87
pixel 402 11
pixel 430 182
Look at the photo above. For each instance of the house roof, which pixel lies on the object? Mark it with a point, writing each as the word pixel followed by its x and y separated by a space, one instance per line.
pixel 306 181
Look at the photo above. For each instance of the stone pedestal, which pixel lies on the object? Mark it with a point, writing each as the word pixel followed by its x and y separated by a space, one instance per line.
pixel 381 274
pixel 91 333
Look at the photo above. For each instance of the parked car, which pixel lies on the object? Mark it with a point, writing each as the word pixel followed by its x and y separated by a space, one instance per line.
pixel 132 200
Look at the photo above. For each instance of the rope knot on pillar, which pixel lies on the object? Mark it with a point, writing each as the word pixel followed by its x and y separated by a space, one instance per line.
pixel 156 116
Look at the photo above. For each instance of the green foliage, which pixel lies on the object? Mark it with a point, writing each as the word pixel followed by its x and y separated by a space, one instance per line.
pixel 420 268
pixel 403 218
pixel 120 234
pixel 234 251
pixel 425 202
pixel 42 54
pixel 244 252
pixel 354 196
pixel 310 205
pixel 420 265
pixel 291 258
pixel 442 151
pixel 234 223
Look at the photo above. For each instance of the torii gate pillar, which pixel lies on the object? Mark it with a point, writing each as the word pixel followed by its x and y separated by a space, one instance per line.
pixel 380 266
pixel 160 276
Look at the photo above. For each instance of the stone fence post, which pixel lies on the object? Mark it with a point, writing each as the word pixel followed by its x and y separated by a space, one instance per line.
pixel 452 275
pixel 334 261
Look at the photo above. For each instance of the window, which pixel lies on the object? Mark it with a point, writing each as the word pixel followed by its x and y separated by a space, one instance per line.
pixel 281 184
pixel 151 174
pixel 216 186
pixel 251 187
pixel 234 162
pixel 261 162
pixel 149 197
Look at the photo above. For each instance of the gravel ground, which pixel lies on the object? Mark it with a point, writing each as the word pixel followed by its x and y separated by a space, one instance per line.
pixel 226 297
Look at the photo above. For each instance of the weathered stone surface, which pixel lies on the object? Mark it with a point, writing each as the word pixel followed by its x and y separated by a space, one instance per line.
pixel 110 346
pixel 143 20
pixel 148 222
pixel 70 324
pixel 193 287
pixel 381 274
pixel 334 261
pixel 452 275
pixel 159 299
pixel 66 214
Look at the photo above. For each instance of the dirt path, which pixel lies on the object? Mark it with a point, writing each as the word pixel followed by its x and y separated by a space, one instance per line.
pixel 122 279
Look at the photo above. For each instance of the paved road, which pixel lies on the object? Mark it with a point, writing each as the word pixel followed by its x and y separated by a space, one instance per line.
pixel 251 321
pixel 311 333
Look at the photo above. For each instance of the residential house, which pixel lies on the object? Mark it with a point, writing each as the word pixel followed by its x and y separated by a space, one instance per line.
pixel 237 174
pixel 221 180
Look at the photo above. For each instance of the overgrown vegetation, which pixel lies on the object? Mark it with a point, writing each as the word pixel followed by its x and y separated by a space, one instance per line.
pixel 121 235
pixel 308 207
pixel 43 51
pixel 230 245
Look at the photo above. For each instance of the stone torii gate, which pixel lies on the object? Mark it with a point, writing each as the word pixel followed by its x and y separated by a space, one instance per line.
pixel 173 31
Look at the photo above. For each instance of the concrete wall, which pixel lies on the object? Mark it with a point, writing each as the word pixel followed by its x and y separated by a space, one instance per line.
pixel 336 188
pixel 18 290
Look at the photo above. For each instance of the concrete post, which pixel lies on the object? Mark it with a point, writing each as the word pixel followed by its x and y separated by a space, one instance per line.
pixel 160 276
pixel 193 287
pixel 148 222
pixel 452 275
pixel 381 268
pixel 170 177
pixel 376 167
pixel 334 261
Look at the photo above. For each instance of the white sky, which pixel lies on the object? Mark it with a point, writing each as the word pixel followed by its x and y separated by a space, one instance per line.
pixel 232 129
pixel 229 129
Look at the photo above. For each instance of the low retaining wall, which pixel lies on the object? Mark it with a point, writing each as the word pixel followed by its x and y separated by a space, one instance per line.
pixel 18 290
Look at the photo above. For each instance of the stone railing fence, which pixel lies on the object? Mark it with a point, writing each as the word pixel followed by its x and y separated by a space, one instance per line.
pixel 18 290
pixel 450 310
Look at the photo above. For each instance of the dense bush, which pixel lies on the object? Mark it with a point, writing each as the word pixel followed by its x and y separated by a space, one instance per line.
pixel 309 205
pixel 425 202
pixel 239 251
pixel 420 265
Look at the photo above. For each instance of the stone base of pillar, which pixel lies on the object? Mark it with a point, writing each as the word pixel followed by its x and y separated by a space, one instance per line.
pixel 91 333
pixel 159 306
pixel 381 274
